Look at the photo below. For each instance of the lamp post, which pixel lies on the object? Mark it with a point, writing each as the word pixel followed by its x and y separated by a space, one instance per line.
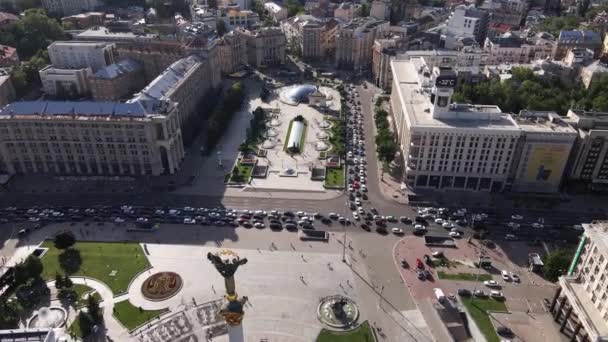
pixel 344 240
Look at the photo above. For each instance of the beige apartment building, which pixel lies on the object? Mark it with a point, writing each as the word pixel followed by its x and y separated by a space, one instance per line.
pixel 383 51
pixel 580 303
pixel 107 138
pixel 117 81
pixel 312 37
pixel 355 41
pixel 589 162
pixel 232 52
pixel 265 46
pixel 154 56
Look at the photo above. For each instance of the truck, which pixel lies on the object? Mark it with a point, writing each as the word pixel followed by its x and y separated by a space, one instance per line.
pixel 439 295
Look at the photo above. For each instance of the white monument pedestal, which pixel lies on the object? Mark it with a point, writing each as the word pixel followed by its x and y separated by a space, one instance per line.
pixel 235 333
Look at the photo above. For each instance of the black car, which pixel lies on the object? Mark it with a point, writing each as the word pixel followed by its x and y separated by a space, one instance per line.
pixel 326 220
pixel 464 292
pixel 405 220
pixel 365 227
pixel 381 230
pixel 420 219
pixel 275 225
pixel 291 226
pixel 504 331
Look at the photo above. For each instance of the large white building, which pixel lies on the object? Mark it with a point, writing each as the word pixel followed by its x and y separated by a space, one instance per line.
pixel 466 22
pixel 580 304
pixel 589 162
pixel 69 7
pixel 77 54
pixel 355 42
pixel 65 82
pixel 277 12
pixel 447 145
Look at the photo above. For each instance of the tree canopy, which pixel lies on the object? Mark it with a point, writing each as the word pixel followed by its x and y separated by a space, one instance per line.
pixel 293 7
pixel 34 32
pixel 555 24
pixel 65 239
pixel 556 264
pixel 527 91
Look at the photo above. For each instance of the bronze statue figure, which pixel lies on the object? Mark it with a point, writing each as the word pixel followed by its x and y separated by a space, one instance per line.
pixel 232 310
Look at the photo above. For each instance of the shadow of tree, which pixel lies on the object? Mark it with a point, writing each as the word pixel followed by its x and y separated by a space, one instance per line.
pixel 70 260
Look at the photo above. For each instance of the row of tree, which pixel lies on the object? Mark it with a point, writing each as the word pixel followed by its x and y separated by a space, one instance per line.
pixel 257 124
pixel 386 147
pixel 527 91
pixel 222 114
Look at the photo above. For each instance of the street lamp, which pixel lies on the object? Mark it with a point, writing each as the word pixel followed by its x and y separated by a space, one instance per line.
pixel 344 241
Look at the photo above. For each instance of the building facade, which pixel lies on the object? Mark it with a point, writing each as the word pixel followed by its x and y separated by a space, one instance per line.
pixel 265 46
pixel 65 83
pixel 589 161
pixel 8 56
pixel 276 11
pixel 542 154
pixel 311 37
pixel 85 20
pixel 445 145
pixel 75 55
pixel 106 138
pixel 355 41
pixel 7 90
pixel 380 9
pixel 383 51
pixel 153 56
pixel 510 48
pixel 345 11
pixel 577 39
pixel 117 81
pixel 466 21
pixel 232 52
pixel 579 304
pixel 240 18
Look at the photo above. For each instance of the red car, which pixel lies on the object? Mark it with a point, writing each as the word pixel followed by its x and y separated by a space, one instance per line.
pixel 419 264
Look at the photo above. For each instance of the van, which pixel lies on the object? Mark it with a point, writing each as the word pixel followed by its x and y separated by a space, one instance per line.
pixel 439 295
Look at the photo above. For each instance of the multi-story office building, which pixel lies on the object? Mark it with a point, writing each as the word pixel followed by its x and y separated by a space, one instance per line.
pixel 346 11
pixel 7 90
pixel 355 40
pixel 69 7
pixel 153 56
pixel 380 9
pixel 78 55
pixel 466 21
pixel 65 83
pixel 117 81
pixel 85 20
pixel 184 82
pixel 232 52
pixel 510 48
pixel 577 39
pixel 383 52
pixel 589 161
pixel 312 37
pixel 235 17
pixel 265 46
pixel 542 152
pixel 107 138
pixel 580 304
pixel 447 145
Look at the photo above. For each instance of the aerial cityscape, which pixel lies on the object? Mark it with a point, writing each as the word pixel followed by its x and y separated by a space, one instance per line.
pixel 303 170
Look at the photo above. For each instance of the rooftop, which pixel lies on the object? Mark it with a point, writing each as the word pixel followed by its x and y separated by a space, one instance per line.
pixel 580 36
pixel 542 122
pixel 72 109
pixel 414 81
pixel 117 69
pixel 101 32
pixel 598 233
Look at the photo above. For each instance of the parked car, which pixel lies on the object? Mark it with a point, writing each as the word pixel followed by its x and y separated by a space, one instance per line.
pixel 464 292
pixel 505 275
pixel 491 283
pixel 496 294
pixel 397 231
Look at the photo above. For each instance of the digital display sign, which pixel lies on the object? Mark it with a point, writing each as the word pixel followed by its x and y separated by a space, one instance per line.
pixel 445 81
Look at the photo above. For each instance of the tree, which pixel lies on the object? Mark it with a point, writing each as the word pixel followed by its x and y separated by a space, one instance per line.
pixel 86 323
pixel 582 7
pixel 365 9
pixel 67 282
pixel 556 264
pixel 33 266
pixel 293 7
pixel 30 294
pixel 67 295
pixel 34 32
pixel 93 309
pixel 10 314
pixel 65 240
pixel 58 281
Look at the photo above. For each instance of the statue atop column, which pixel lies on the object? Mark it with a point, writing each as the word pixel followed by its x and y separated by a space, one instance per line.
pixel 226 263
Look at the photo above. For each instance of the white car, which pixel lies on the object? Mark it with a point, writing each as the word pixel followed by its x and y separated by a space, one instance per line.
pixel 513 225
pixel 189 220
pixel 448 225
pixel 496 294
pixel 358 202
pixel 119 220
pixel 350 154
pixel 515 277
pixel 505 275
pixel 397 231
pixel 350 188
pixel 537 225
pixel 517 217
pixel 439 220
pixel 491 283
pixel 259 225
pixel 419 227
pixel 363 188
pixel 360 210
pixel 455 234
pixel 356 216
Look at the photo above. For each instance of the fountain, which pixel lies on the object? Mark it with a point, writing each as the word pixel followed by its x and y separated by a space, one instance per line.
pixel 322 136
pixel 321 146
pixel 45 317
pixel 274 123
pixel 268 144
pixel 272 132
pixel 338 312
pixel 325 124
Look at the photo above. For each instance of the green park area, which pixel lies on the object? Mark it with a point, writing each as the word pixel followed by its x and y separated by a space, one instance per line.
pixel 241 173
pixel 478 309
pixel 132 317
pixel 362 333
pixel 113 263
pixel 335 177
pixel 81 290
pixel 463 276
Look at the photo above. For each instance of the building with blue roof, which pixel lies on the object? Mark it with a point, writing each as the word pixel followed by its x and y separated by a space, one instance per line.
pixel 577 39
pixel 117 81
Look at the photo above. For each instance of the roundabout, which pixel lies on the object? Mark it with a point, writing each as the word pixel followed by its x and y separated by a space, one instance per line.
pixel 161 286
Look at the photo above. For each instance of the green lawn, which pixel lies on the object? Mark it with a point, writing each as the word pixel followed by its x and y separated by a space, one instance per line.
pixel 463 276
pixel 75 328
pixel 362 333
pixel 244 173
pixel 132 317
pixel 80 291
pixel 98 260
pixel 478 308
pixel 335 177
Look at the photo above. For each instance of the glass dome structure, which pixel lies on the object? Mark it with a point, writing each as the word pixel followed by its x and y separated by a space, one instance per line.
pixel 300 92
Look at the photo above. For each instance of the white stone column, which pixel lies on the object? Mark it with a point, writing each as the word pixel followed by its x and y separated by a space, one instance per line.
pixel 235 333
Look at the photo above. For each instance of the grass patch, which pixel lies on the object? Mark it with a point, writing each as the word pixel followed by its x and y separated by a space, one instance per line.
pixel 244 172
pixel 132 317
pixel 97 260
pixel 363 333
pixel 74 328
pixel 335 177
pixel 478 308
pixel 80 291
pixel 463 276
pixel 443 262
